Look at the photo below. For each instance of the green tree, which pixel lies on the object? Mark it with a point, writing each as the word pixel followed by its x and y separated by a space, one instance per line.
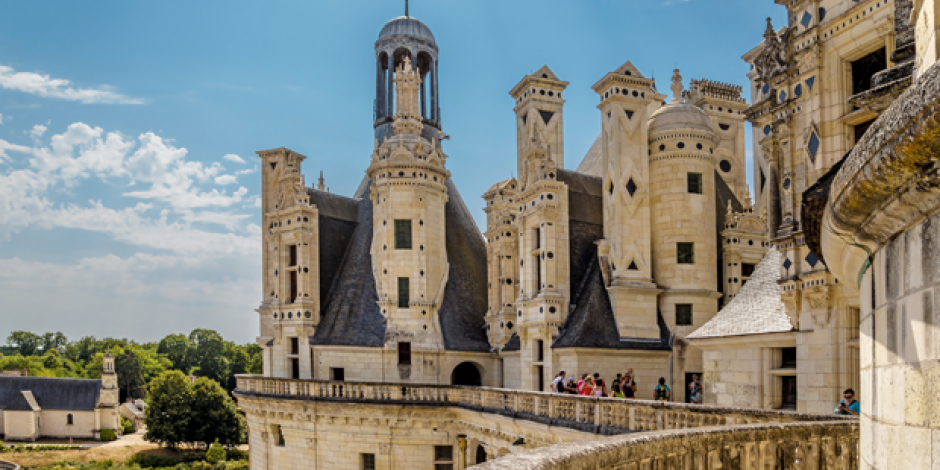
pixel 170 409
pixel 179 350
pixel 53 341
pixel 209 355
pixel 25 342
pixel 215 417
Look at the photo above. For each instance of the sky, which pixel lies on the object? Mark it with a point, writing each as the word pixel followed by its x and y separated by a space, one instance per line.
pixel 129 184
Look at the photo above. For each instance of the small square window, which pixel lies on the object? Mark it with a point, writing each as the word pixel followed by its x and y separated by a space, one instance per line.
pixel 338 373
pixel 404 289
pixel 685 253
pixel 747 269
pixel 683 314
pixel 443 458
pixel 404 354
pixel 402 234
pixel 368 461
pixel 695 183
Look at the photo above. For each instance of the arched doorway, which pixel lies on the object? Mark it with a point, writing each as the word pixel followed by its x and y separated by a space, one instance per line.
pixel 466 373
pixel 481 454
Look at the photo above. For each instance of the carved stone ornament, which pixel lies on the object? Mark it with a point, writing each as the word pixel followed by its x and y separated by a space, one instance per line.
pixel 773 60
pixel 791 301
pixel 818 300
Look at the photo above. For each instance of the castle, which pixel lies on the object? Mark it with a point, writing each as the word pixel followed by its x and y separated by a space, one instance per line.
pixel 594 270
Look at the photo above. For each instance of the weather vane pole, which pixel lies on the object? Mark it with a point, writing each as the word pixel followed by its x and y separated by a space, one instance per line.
pixel 406 8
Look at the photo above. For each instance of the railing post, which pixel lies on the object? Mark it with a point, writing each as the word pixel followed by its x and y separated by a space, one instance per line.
pixel 597 412
pixel 551 406
pixel 631 418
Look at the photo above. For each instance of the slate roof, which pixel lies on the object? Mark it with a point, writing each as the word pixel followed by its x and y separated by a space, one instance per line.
pixel 49 393
pixel 351 315
pixel 591 323
pixel 756 309
pixel 592 163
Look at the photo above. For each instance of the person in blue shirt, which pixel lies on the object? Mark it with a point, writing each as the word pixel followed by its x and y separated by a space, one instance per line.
pixel 848 406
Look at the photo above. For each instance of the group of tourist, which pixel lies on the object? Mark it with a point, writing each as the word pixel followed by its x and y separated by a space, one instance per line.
pixel 623 386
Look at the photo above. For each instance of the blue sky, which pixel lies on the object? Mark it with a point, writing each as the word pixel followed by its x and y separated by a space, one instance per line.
pixel 128 180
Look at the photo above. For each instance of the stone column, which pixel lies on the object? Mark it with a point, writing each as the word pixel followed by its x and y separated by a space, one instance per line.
pixel 773 191
pixel 389 86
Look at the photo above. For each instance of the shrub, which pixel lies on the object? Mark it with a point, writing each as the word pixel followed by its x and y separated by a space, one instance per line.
pixel 108 435
pixel 127 426
pixel 216 453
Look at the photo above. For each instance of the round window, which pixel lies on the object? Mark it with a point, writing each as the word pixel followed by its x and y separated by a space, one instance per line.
pixel 725 166
pixel 786 183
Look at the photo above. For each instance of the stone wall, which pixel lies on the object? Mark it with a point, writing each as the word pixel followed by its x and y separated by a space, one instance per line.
pixel 900 351
pixel 54 423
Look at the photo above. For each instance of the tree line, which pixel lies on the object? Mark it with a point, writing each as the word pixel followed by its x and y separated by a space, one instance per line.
pixel 203 353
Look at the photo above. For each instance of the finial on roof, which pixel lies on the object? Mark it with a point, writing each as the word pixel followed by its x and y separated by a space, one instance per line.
pixel 676 87
pixel 320 185
pixel 406 9
pixel 770 28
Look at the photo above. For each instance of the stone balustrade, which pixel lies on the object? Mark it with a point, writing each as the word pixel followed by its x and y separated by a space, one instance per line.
pixel 8 466
pixel 606 416
pixel 800 446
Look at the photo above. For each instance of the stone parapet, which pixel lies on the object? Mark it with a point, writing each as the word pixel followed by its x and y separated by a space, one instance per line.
pixel 831 445
pixel 608 416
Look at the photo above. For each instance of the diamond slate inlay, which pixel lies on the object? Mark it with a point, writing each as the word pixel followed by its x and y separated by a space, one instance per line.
pixel 810 82
pixel 631 187
pixel 807 19
pixel 629 114
pixel 812 260
pixel 787 263
pixel 813 146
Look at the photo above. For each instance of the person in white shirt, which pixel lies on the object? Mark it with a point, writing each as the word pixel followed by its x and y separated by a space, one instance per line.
pixel 558 385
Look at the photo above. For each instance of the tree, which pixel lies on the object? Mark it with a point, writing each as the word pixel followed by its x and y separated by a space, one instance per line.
pixel 27 343
pixel 170 409
pixel 183 412
pixel 215 416
pixel 130 375
pixel 209 355
pixel 53 341
pixel 179 350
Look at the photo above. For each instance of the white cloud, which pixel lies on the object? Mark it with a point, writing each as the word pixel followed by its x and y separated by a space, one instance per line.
pixel 47 87
pixel 226 180
pixel 246 172
pixel 38 131
pixel 233 158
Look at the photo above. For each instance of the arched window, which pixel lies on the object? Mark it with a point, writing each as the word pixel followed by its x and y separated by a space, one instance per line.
pixel 68 418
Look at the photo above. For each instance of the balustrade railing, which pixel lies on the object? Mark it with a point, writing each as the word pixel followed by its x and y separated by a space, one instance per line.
pixel 824 445
pixel 602 415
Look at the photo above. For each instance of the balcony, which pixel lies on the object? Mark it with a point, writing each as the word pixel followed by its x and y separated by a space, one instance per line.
pixel 676 435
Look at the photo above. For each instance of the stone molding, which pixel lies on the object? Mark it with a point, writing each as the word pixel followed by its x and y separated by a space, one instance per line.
pixel 794 445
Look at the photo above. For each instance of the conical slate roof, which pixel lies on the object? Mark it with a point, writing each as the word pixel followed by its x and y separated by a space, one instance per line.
pixel 756 309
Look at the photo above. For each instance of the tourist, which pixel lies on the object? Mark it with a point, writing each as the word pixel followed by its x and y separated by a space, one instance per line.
pixel 559 383
pixel 695 390
pixel 572 388
pixel 581 382
pixel 615 386
pixel 600 388
pixel 848 406
pixel 629 386
pixel 662 392
pixel 587 388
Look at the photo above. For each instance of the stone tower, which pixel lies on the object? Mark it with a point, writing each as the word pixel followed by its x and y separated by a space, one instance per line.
pixel 684 232
pixel 289 311
pixel 110 394
pixel 725 107
pixel 539 121
pixel 627 101
pixel 408 191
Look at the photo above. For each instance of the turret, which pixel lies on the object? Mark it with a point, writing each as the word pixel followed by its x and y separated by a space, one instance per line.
pixel 409 195
pixel 539 123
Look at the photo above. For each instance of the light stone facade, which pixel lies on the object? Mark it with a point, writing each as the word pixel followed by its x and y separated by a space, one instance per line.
pixel 817 85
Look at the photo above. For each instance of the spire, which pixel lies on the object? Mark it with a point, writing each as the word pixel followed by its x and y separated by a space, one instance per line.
pixel 769 31
pixel 676 87
pixel 320 185
pixel 406 9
